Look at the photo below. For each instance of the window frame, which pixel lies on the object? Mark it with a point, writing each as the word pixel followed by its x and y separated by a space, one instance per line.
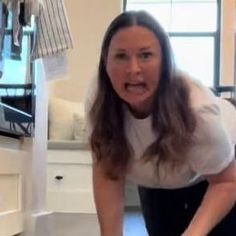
pixel 216 39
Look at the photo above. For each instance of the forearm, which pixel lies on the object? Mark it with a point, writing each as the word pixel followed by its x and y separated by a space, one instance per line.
pixel 217 202
pixel 109 200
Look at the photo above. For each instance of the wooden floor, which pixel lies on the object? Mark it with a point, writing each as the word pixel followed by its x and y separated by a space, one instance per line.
pixel 74 224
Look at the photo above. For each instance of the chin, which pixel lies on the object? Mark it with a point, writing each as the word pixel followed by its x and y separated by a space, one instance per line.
pixel 138 101
pixel 138 105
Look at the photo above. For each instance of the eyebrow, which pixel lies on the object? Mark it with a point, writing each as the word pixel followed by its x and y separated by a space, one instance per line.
pixel 141 49
pixel 145 48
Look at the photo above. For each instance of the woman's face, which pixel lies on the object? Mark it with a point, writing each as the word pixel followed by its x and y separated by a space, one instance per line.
pixel 133 65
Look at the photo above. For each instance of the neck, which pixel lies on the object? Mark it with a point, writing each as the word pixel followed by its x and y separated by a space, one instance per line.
pixel 140 113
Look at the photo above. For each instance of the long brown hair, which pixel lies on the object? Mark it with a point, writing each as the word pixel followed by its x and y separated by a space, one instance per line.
pixel 172 117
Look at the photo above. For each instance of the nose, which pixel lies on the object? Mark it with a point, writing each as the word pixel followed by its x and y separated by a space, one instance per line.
pixel 134 66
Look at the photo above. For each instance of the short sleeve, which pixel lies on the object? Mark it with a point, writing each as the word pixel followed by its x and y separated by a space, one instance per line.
pixel 213 149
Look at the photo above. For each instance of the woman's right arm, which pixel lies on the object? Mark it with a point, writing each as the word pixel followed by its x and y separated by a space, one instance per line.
pixel 109 201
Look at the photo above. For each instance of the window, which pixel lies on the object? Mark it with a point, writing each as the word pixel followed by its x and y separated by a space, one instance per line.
pixel 15 64
pixel 17 96
pixel 15 68
pixel 194 30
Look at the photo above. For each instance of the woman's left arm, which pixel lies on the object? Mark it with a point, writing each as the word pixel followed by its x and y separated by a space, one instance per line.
pixel 218 200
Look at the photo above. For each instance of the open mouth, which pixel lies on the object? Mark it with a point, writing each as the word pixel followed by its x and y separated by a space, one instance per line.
pixel 138 88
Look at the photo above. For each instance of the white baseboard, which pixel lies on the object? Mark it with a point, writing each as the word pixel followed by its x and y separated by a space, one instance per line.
pixel 44 224
pixel 40 224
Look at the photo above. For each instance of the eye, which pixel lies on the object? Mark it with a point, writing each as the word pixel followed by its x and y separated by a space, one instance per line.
pixel 145 55
pixel 121 56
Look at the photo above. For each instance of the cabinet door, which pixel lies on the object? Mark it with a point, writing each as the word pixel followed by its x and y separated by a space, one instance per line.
pixel 69 181
pixel 11 215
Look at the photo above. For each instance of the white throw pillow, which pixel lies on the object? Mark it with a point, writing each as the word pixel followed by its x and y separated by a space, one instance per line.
pixel 61 118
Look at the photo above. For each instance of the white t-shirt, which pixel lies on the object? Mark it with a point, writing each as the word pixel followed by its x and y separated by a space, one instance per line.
pixel 213 150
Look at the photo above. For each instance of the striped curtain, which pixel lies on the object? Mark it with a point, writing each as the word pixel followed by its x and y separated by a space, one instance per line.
pixel 52 30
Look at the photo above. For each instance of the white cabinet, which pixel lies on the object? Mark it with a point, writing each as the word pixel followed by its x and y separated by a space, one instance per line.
pixel 69 181
pixel 11 182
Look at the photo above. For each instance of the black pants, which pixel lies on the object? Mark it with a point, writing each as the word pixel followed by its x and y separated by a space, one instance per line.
pixel 169 212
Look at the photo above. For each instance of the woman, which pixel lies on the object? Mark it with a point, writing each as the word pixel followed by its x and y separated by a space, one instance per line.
pixel 162 130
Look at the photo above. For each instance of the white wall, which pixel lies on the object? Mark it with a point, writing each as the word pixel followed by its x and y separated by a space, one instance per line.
pixel 227 42
pixel 88 20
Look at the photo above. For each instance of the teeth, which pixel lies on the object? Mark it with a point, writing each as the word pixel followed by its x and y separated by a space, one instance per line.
pixel 136 88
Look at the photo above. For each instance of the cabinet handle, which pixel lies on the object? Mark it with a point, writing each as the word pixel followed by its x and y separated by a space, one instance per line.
pixel 58 177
